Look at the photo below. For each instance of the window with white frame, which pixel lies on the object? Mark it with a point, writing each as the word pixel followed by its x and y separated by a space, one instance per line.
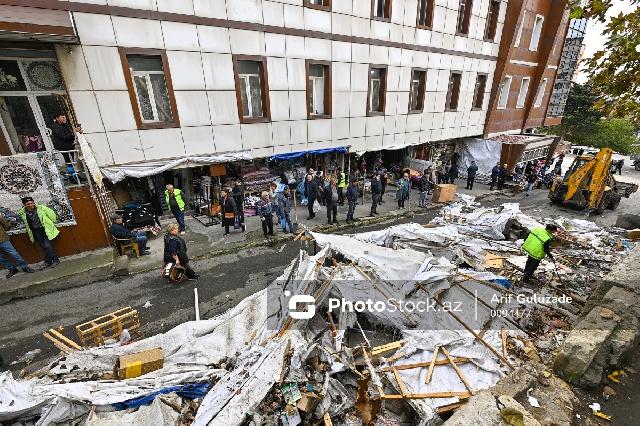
pixel 425 13
pixel 319 86
pixel 464 16
pixel 151 88
pixel 540 94
pixel 381 9
pixel 519 34
pixel 250 78
pixel 505 87
pixel 522 94
pixel 416 96
pixel 535 34
pixel 377 88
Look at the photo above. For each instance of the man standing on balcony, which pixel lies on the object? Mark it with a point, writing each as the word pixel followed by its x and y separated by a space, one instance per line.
pixel 9 250
pixel 64 138
pixel 173 197
pixel 39 221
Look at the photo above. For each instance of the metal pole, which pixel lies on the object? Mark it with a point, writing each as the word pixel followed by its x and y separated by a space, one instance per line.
pixel 195 293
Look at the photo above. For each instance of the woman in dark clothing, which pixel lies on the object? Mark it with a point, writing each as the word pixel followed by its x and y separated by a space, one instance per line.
pixel 238 196
pixel 228 210
pixel 175 251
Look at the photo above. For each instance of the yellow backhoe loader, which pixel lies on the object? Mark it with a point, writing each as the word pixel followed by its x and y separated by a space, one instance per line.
pixel 590 185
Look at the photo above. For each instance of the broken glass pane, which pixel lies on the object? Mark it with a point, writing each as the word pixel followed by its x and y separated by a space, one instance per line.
pixel 163 105
pixel 143 97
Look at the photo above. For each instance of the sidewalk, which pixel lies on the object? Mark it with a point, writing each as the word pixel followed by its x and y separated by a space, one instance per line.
pixel 202 242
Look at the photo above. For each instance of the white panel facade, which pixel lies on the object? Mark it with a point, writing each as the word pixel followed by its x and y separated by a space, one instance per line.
pixel 200 59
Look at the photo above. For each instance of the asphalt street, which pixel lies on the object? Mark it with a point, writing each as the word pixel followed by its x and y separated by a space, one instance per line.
pixel 224 282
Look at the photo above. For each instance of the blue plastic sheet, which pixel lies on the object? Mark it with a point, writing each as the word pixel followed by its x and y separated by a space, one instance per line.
pixel 188 391
pixel 294 155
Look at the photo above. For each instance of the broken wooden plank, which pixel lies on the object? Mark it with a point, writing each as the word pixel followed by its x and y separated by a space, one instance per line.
pixel 503 335
pixel 327 419
pixel 70 343
pixel 458 360
pixel 449 407
pixel 432 364
pixel 430 395
pixel 458 371
pixel 386 348
pixel 57 343
pixel 401 385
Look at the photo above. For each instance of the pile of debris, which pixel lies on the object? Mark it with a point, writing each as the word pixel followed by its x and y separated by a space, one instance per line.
pixel 385 327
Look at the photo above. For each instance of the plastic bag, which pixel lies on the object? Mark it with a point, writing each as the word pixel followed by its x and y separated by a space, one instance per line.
pixel 316 206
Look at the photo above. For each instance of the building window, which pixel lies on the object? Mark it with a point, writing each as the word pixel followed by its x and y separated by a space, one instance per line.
pixel 505 86
pixel 416 95
pixel 453 93
pixel 519 35
pixel 478 93
pixel 492 20
pixel 540 94
pixel 318 89
pixel 535 34
pixel 522 95
pixel 464 16
pixel 252 90
pixel 150 89
pixel 425 13
pixel 318 4
pixel 381 9
pixel 377 90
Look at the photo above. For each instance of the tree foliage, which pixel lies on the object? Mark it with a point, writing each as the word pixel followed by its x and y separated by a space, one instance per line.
pixel 615 133
pixel 580 117
pixel 614 71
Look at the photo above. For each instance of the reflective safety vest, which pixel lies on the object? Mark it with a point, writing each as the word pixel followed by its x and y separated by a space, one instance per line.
pixel 178 194
pixel 534 244
pixel 343 181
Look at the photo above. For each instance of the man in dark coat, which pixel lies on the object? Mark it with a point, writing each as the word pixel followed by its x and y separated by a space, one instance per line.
pixel 238 196
pixel 264 208
pixel 502 176
pixel 331 198
pixel 494 175
pixel 310 191
pixel 228 210
pixel 118 230
pixel 63 138
pixel 472 170
pixel 175 251
pixel 376 191
pixel 352 199
pixel 383 182
pixel 453 172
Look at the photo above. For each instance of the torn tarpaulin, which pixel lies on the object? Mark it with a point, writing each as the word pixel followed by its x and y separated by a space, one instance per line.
pixel 188 391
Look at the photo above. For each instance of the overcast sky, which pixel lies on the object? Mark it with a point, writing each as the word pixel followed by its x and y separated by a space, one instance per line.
pixel 593 40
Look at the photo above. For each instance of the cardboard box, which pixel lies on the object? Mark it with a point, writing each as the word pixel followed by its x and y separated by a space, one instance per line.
pixel 633 234
pixel 138 364
pixel 444 193
pixel 308 402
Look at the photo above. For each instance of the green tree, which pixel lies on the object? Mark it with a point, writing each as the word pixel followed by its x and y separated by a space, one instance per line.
pixel 614 70
pixel 615 133
pixel 580 117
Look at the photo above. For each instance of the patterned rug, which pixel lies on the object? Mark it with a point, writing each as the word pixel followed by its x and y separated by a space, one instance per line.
pixel 35 175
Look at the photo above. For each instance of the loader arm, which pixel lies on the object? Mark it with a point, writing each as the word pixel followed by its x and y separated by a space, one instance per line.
pixel 600 178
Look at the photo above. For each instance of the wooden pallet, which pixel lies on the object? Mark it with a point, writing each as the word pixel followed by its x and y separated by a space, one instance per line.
pixel 110 326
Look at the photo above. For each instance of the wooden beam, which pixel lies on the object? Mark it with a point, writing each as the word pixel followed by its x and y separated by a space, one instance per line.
pixel 503 334
pixel 58 344
pixel 70 343
pixel 449 407
pixel 401 385
pixel 458 360
pixel 386 348
pixel 432 364
pixel 327 419
pixel 430 395
pixel 455 367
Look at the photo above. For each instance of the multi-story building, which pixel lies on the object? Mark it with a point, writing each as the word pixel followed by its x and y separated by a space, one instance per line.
pixel 157 81
pixel 530 51
pixel 569 63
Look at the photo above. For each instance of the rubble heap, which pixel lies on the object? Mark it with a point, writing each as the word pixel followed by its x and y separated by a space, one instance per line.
pixel 269 361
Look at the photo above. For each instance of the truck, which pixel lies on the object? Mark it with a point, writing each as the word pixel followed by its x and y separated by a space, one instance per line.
pixel 589 184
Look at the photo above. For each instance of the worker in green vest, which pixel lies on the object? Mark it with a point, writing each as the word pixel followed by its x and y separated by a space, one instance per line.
pixel 175 202
pixel 342 184
pixel 537 246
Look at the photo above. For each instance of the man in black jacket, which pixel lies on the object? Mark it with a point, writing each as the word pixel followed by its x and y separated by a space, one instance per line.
pixel 472 170
pixel 502 176
pixel 64 138
pixel 118 230
pixel 376 191
pixel 352 199
pixel 310 191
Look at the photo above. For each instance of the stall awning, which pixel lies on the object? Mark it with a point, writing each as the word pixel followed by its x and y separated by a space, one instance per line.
pixel 24 23
pixel 294 155
pixel 150 168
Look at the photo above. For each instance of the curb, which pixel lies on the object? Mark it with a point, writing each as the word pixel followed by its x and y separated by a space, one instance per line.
pixel 107 271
